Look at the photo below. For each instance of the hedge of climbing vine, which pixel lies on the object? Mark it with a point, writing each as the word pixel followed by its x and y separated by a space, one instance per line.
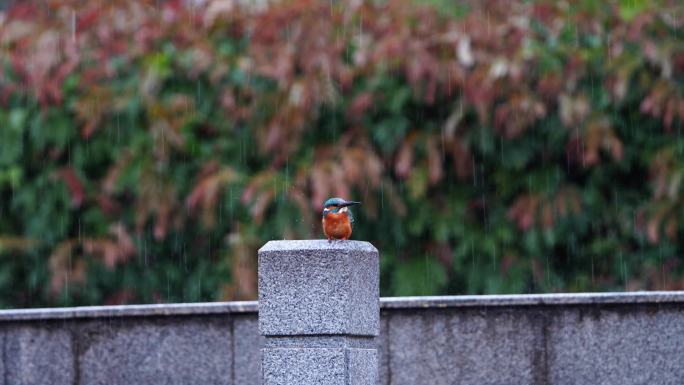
pixel 149 148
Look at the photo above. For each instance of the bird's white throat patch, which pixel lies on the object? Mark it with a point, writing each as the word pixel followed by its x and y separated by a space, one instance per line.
pixel 343 210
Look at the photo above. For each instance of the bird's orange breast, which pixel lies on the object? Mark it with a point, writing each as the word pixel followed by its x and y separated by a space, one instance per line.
pixel 337 226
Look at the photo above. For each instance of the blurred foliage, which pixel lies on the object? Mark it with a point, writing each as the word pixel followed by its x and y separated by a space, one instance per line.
pixel 148 149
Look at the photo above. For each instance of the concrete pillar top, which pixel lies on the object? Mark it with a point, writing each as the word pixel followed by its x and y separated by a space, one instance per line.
pixel 317 244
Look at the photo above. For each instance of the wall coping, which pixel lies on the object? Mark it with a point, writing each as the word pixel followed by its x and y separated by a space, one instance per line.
pixel 147 310
pixel 559 299
pixel 435 302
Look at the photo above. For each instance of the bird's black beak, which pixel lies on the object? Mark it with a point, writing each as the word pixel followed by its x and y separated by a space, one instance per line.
pixel 350 203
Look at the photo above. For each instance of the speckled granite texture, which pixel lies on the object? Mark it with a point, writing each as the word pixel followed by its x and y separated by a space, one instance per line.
pixel 318 287
pixel 246 353
pixel 319 312
pixel 312 366
pixel 575 344
pixel 37 355
pixel 132 352
pixel 320 366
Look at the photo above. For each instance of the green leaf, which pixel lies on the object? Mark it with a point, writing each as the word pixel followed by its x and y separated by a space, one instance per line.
pixel 420 276
pixel 629 9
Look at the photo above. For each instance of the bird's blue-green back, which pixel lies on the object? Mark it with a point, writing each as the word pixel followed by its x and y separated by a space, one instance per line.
pixel 333 202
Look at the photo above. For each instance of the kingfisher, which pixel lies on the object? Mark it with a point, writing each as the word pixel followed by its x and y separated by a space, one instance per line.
pixel 338 218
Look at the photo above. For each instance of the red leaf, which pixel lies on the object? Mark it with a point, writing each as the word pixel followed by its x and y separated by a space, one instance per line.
pixel 360 105
pixel 74 186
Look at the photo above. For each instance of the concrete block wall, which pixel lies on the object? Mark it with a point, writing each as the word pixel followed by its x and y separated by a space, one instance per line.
pixel 174 344
pixel 610 338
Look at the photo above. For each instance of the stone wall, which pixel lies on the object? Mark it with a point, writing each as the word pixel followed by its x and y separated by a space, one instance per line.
pixel 611 338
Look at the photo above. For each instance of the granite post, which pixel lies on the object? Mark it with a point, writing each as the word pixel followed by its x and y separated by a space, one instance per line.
pixel 319 312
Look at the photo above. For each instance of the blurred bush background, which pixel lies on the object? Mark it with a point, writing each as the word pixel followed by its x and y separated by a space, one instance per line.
pixel 149 148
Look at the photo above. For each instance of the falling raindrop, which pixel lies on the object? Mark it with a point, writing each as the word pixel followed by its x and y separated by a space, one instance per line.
pixel 73 26
pixel 623 268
